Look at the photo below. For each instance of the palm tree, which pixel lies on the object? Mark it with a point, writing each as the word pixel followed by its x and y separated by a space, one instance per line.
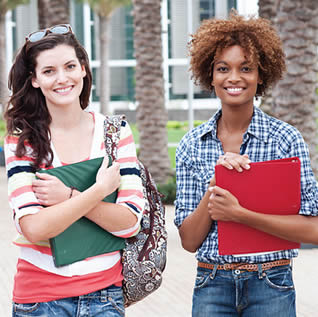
pixel 151 112
pixel 52 12
pixel 294 97
pixel 5 6
pixel 104 10
pixel 267 11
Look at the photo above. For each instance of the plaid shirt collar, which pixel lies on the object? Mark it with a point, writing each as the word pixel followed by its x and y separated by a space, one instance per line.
pixel 259 126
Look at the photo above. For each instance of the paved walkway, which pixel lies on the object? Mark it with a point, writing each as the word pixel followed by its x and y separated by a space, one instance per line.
pixel 173 299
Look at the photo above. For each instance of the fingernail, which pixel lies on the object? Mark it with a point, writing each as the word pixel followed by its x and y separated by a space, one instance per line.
pixel 247 166
pixel 211 189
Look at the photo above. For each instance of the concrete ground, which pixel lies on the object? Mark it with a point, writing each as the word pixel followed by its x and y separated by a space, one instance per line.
pixel 173 299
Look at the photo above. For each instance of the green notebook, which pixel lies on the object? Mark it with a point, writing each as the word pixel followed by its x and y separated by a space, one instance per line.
pixel 84 238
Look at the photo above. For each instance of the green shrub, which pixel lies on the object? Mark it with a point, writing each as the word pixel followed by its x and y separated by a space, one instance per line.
pixel 174 124
pixel 198 122
pixel 168 191
pixel 182 124
pixel 2 131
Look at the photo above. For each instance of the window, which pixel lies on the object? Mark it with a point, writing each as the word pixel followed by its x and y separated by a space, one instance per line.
pixel 207 9
pixel 129 35
pixel 14 31
pixel 231 4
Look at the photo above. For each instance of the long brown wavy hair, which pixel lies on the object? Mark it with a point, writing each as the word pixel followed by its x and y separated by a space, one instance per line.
pixel 27 114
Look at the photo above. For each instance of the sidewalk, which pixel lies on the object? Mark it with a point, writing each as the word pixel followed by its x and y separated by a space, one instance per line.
pixel 173 299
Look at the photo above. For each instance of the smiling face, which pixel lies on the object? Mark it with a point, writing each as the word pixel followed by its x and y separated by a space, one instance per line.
pixel 235 78
pixel 59 75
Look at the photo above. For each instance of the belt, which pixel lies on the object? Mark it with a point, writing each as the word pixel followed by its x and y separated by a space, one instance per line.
pixel 244 266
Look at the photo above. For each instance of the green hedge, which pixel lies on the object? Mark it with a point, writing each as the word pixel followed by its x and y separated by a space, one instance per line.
pixel 2 131
pixel 182 124
pixel 168 191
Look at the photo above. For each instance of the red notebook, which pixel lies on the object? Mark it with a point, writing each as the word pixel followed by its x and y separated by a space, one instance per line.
pixel 271 187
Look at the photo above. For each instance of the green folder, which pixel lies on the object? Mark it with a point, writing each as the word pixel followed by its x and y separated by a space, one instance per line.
pixel 84 238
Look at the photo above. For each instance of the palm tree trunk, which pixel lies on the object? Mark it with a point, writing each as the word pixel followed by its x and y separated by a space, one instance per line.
pixel 104 91
pixel 294 97
pixel 267 10
pixel 151 112
pixel 52 12
pixel 4 92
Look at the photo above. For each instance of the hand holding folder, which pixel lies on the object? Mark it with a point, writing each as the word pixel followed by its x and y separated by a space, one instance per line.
pixel 271 187
pixel 83 238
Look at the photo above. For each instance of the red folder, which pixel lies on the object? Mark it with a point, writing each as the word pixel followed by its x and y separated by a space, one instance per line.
pixel 271 187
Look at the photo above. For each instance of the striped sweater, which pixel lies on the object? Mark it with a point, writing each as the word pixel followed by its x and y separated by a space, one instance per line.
pixel 37 279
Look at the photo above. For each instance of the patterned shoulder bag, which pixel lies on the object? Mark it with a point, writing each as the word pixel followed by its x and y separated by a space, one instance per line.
pixel 144 257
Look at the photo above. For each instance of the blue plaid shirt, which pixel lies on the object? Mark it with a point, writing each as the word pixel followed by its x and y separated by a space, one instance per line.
pixel 265 139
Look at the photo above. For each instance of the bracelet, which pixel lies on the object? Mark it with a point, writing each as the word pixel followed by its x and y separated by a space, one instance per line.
pixel 72 189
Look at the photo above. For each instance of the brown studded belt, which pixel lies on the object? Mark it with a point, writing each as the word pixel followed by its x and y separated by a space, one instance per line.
pixel 244 266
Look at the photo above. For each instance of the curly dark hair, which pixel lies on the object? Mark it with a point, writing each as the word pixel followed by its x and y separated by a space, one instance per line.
pixel 27 114
pixel 256 36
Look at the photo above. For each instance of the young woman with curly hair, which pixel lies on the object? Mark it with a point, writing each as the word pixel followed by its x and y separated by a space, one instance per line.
pixel 239 59
pixel 49 126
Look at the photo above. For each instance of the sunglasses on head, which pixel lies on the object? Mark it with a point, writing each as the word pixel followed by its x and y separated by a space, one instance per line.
pixel 56 29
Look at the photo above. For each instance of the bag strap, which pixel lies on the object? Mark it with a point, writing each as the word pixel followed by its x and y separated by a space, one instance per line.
pixel 112 126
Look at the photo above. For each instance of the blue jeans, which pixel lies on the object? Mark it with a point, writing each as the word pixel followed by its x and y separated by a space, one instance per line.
pixel 220 293
pixel 106 302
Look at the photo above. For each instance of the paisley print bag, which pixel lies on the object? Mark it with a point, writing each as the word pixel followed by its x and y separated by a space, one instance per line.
pixel 144 257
